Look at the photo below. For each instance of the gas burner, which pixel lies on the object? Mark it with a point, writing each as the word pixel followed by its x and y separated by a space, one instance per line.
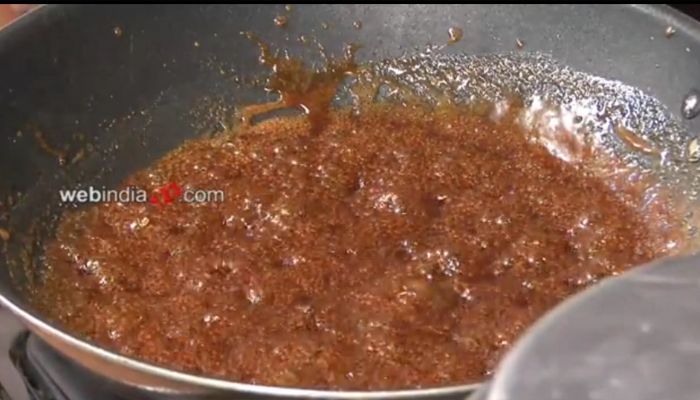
pixel 50 376
pixel 31 370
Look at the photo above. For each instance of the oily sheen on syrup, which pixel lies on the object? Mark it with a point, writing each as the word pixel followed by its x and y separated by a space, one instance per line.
pixel 398 248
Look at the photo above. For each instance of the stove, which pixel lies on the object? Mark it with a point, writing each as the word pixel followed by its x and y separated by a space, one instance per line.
pixel 31 370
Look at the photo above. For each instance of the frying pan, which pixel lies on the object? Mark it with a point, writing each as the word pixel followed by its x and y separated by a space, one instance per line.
pixel 128 81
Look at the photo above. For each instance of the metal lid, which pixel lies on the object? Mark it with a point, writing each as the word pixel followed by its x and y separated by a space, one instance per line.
pixel 634 337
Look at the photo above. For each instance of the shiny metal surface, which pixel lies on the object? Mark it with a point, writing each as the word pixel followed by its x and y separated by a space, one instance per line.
pixel 634 337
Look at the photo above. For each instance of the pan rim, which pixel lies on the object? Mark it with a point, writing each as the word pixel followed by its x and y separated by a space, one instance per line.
pixel 209 383
pixel 33 320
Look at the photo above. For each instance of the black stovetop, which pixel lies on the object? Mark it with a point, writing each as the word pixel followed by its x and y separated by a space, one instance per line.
pixel 47 375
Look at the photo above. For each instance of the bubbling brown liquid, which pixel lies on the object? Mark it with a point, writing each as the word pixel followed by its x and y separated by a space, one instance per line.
pixel 403 247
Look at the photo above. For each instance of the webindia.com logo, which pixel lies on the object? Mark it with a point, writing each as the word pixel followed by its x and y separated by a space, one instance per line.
pixel 162 196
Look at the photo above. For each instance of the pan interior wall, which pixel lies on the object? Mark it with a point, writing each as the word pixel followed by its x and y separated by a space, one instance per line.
pixel 124 87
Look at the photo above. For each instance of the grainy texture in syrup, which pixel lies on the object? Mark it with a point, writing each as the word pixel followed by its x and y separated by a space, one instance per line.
pixel 400 248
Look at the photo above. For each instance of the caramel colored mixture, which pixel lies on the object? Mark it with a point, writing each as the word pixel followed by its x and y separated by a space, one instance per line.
pixel 401 248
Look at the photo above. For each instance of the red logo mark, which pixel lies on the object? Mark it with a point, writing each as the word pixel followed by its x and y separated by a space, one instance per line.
pixel 166 195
